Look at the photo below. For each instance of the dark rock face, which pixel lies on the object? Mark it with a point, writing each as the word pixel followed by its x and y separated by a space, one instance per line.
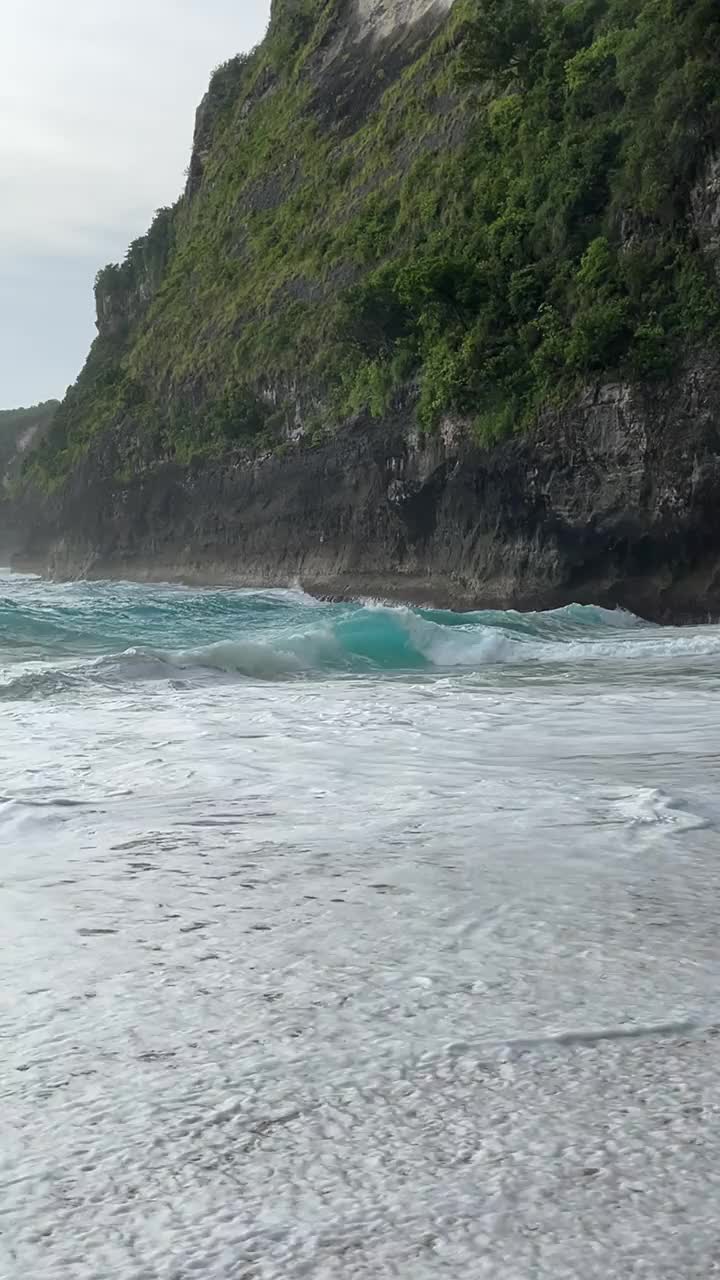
pixel 615 500
pixel 117 311
pixel 705 209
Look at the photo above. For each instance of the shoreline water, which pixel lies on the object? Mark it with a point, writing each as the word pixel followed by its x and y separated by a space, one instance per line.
pixel 416 592
pixel 401 923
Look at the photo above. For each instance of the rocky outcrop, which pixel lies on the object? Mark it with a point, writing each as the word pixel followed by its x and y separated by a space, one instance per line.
pixel 123 293
pixel 705 209
pixel 118 309
pixel 382 18
pixel 614 500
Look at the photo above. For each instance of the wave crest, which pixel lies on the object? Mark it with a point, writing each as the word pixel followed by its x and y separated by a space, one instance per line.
pixel 377 637
pixel 279 635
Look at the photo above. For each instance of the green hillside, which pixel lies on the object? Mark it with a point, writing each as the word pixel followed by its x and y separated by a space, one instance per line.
pixel 480 215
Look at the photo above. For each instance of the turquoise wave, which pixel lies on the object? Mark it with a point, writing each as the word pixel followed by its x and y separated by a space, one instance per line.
pixel 54 636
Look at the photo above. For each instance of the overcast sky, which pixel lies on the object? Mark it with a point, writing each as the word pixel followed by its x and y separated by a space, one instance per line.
pixel 97 102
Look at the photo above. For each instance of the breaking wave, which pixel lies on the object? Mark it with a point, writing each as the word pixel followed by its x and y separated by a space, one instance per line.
pixel 112 634
pixel 374 638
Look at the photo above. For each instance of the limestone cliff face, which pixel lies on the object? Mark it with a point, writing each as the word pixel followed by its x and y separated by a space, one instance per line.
pixel 615 500
pixel 118 309
pixel 124 293
pixel 705 209
pixel 380 18
pixel 296 367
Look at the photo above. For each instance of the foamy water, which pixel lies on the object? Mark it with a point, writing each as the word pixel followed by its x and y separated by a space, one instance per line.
pixel 347 941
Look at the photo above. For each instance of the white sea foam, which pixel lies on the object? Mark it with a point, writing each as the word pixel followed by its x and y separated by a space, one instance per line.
pixel 404 970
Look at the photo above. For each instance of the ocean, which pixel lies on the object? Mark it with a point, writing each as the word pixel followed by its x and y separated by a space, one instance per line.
pixel 349 940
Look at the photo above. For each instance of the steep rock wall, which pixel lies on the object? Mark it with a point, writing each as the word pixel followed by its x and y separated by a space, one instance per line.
pixel 616 501
pixel 409 227
pixel 380 18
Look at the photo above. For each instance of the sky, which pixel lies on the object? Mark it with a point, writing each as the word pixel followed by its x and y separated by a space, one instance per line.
pixel 97 104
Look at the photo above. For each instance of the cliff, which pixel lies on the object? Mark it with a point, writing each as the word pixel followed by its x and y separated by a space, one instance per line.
pixel 612 501
pixel 437 314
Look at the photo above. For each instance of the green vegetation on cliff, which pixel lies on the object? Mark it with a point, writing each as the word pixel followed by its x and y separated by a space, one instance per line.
pixel 479 215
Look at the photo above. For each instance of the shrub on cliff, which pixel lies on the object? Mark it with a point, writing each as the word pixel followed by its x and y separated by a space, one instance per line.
pixel 592 122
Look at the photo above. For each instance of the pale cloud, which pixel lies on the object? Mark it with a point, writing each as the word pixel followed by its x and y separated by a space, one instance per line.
pixel 97 101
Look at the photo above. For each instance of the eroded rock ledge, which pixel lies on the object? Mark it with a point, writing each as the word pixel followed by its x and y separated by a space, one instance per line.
pixel 614 500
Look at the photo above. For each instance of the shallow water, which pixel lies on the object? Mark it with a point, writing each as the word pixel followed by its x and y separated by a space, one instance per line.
pixel 347 941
